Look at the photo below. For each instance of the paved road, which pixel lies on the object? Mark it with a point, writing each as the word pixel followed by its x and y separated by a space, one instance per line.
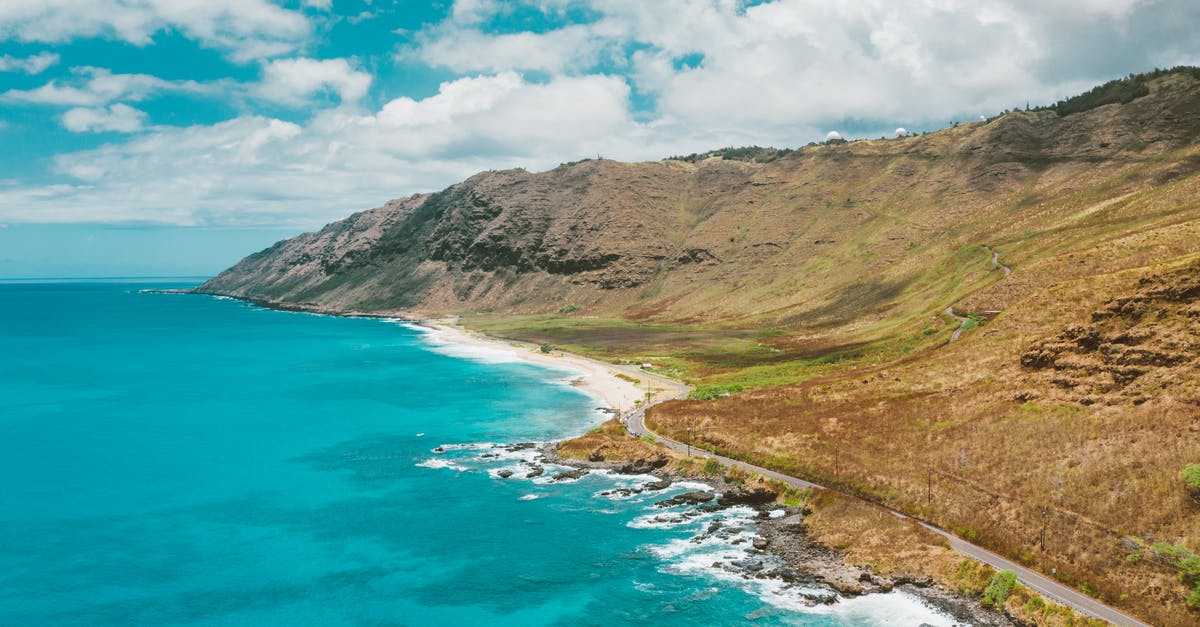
pixel 635 422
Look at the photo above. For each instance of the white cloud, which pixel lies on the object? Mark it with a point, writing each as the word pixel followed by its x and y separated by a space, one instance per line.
pixel 769 66
pixel 292 81
pixel 95 86
pixel 36 64
pixel 245 29
pixel 256 170
pixel 468 50
pixel 119 118
pixel 705 73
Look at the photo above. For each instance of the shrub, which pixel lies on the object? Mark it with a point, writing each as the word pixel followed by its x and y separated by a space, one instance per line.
pixel 568 308
pixel 1191 480
pixel 1000 587
pixel 1188 564
pixel 712 467
pixel 1189 569
pixel 546 348
pixel 973 576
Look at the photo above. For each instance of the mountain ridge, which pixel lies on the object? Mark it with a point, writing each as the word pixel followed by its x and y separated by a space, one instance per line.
pixel 634 239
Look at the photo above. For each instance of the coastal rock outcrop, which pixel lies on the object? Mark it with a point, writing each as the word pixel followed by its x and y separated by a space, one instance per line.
pixel 687 498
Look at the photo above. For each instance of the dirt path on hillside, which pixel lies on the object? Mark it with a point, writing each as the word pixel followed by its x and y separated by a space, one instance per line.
pixel 963 320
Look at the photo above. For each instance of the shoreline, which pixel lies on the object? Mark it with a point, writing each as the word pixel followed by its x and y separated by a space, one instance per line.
pixel 604 383
pixel 610 385
pixel 806 558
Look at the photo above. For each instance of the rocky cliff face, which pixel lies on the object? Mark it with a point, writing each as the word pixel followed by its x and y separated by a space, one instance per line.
pixel 828 235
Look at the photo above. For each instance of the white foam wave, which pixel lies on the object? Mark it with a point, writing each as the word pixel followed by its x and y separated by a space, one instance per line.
pixel 692 486
pixel 477 446
pixel 872 610
pixel 724 553
pixel 435 340
pixel 437 463
pixel 530 497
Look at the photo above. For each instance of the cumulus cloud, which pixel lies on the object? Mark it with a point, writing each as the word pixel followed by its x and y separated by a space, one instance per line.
pixel 93 86
pixel 245 29
pixel 254 170
pixel 772 64
pixel 468 50
pixel 292 81
pixel 625 79
pixel 30 65
pixel 120 118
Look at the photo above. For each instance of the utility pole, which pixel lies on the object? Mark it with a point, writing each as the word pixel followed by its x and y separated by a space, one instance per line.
pixel 1042 535
pixel 928 485
pixel 836 447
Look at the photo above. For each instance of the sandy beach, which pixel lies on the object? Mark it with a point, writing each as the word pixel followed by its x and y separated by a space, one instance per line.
pixel 619 387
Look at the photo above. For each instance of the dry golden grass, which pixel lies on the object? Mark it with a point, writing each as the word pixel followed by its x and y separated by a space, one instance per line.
pixel 1054 462
pixel 611 443
pixel 873 537
pixel 966 437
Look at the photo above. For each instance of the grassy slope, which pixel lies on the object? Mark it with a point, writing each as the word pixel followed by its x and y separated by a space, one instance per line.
pixel 874 379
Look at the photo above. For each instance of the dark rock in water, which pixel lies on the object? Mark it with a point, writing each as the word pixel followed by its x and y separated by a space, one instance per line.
pixel 738 496
pixel 439 449
pixel 643 466
pixel 621 492
pixel 714 526
pixel 570 474
pixel 537 471
pixel 761 544
pixel 687 498
pixel 489 456
pixel 520 446
pixel 654 486
pixel 504 474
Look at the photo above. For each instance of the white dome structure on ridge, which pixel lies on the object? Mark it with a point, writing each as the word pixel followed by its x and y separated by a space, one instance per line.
pixel 833 136
pixel 901 132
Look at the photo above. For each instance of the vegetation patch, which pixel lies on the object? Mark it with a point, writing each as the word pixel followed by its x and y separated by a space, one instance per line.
pixel 1188 565
pixel 1191 480
pixel 753 154
pixel 999 588
pixel 1119 91
pixel 713 391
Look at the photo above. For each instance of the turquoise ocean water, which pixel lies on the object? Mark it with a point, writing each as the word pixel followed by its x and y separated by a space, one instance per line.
pixel 171 459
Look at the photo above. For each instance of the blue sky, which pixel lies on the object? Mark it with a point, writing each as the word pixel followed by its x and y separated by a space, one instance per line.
pixel 172 137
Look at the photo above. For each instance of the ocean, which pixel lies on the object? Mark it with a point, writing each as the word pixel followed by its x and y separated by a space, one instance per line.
pixel 180 459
